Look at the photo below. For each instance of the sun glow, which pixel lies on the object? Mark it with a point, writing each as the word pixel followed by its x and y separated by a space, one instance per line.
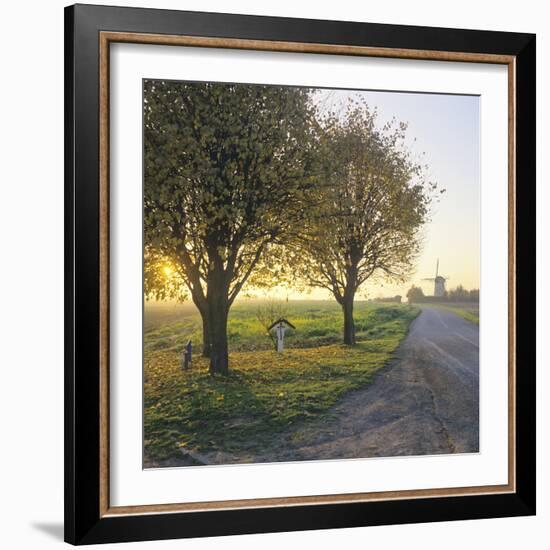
pixel 168 270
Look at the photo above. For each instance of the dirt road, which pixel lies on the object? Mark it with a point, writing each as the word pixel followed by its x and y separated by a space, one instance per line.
pixel 425 402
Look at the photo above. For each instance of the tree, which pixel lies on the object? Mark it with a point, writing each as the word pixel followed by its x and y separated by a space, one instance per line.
pixel 415 295
pixel 225 173
pixel 374 199
pixel 459 294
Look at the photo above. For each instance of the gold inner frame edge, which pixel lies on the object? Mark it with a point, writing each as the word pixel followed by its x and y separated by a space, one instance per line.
pixel 105 39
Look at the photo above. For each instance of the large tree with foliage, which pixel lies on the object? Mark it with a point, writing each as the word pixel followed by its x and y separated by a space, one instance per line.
pixel 226 170
pixel 373 201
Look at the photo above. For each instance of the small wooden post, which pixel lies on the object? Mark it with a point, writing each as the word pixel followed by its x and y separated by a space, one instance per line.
pixel 187 355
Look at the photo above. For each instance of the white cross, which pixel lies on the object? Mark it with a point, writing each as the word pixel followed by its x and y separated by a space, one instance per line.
pixel 280 336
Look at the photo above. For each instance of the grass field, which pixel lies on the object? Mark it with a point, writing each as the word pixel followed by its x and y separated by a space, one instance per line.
pixel 466 310
pixel 266 392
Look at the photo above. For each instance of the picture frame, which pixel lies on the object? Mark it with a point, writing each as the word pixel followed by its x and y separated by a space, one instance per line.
pixel 90 31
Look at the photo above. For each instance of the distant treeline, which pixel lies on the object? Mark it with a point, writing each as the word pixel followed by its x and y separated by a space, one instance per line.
pixel 458 294
pixel 390 299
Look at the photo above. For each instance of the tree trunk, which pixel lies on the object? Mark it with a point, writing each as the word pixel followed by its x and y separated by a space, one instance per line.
pixel 219 360
pixel 349 324
pixel 205 337
pixel 218 309
pixel 202 306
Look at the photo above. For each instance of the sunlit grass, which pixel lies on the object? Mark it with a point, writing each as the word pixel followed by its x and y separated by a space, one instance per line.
pixel 470 312
pixel 317 323
pixel 266 392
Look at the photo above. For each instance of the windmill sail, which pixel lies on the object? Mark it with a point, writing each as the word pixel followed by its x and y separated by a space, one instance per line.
pixel 439 282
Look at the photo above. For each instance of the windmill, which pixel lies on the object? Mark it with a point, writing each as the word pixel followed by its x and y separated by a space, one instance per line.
pixel 439 282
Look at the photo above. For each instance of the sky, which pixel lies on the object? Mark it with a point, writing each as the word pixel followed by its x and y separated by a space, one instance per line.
pixel 444 134
pixel 446 129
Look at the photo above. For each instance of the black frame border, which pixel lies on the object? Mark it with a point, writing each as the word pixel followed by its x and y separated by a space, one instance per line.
pixel 83 524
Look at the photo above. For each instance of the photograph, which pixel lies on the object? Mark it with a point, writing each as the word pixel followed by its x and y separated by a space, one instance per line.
pixel 299 274
pixel 311 273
